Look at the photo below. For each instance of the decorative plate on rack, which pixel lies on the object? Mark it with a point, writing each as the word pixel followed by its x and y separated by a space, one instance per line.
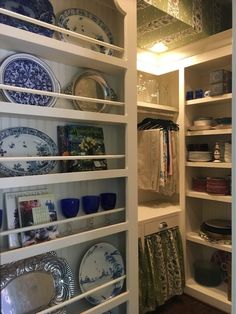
pixel 87 24
pixel 41 10
pixel 101 264
pixel 24 141
pixel 27 71
pixel 35 284
pixel 91 84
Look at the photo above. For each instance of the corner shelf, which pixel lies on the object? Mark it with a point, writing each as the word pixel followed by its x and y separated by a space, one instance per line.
pixel 209 164
pixel 209 132
pixel 152 106
pixel 212 197
pixel 209 100
pixel 194 237
pixel 216 296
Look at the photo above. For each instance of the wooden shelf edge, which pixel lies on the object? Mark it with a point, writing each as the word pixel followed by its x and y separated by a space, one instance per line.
pixel 213 197
pixel 209 132
pixel 209 164
pixel 216 297
pixel 209 99
pixel 194 237
pixel 146 105
pixel 148 211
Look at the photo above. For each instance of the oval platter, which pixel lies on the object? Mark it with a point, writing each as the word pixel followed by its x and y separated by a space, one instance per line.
pixel 35 284
pixel 100 264
pixel 91 84
pixel 85 23
pixel 24 141
pixel 28 71
pixel 41 10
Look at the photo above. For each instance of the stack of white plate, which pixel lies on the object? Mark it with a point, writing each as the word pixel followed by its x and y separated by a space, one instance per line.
pixel 199 156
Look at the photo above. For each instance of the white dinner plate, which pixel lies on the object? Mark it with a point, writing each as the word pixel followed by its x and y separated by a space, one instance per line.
pixel 85 23
pixel 101 264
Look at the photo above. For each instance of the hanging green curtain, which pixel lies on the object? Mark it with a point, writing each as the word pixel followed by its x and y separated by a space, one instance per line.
pixel 162 268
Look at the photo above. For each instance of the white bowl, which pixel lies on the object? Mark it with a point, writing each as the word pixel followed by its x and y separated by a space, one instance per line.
pixel 203 122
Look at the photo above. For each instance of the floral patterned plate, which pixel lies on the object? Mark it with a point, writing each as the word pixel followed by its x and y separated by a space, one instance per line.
pixel 101 264
pixel 24 141
pixel 28 71
pixel 41 10
pixel 85 23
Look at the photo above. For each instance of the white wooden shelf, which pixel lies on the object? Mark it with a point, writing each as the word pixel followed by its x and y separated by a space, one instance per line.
pixel 209 100
pixel 19 40
pixel 209 164
pixel 152 210
pixel 209 132
pixel 212 197
pixel 152 106
pixel 194 237
pixel 59 243
pixel 215 296
pixel 60 114
pixel 54 178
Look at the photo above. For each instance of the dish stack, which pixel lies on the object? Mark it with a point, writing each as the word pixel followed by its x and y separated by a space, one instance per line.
pixel 218 229
pixel 199 152
pixel 210 185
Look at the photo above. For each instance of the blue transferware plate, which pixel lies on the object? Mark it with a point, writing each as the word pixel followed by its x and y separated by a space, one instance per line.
pixel 41 10
pixel 28 71
pixel 101 264
pixel 85 23
pixel 24 141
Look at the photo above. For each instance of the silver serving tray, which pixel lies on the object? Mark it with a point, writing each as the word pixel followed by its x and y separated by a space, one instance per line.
pixel 36 283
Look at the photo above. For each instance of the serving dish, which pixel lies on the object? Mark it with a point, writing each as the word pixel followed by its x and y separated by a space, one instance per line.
pixel 85 23
pixel 221 226
pixel 28 71
pixel 100 264
pixel 199 156
pixel 24 141
pixel 34 284
pixel 90 84
pixel 41 10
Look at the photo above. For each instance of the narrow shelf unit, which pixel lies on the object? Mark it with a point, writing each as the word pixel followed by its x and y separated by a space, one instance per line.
pixel 203 206
pixel 118 226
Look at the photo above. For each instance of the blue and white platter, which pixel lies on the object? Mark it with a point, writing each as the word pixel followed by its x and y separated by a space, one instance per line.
pixel 41 10
pixel 28 71
pixel 85 23
pixel 24 141
pixel 101 264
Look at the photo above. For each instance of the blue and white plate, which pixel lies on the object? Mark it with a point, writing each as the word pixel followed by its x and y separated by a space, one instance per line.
pixel 41 10
pixel 85 23
pixel 101 264
pixel 24 141
pixel 28 71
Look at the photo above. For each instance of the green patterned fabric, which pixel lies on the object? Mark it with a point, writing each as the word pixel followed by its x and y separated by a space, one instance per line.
pixel 161 268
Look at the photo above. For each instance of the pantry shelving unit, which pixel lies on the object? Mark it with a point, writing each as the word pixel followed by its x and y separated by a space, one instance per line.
pixel 118 227
pixel 156 211
pixel 200 206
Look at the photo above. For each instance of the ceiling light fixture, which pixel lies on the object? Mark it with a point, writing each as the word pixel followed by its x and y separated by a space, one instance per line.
pixel 158 47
